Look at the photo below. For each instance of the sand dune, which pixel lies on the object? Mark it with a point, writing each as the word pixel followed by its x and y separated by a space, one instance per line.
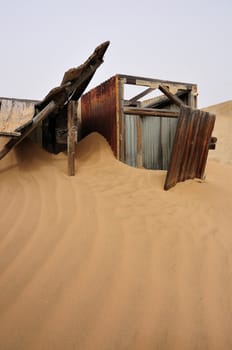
pixel 222 131
pixel 107 259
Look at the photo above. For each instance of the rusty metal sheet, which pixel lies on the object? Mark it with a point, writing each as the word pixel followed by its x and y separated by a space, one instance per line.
pixel 191 144
pixel 98 112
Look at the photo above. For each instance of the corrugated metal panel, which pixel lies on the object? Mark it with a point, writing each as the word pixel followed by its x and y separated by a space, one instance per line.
pixel 131 140
pixel 98 112
pixel 151 142
pixel 157 140
pixel 168 130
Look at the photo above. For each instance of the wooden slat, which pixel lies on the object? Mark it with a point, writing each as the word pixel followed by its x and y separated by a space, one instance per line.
pixel 194 148
pixel 151 112
pixel 177 152
pixel 209 125
pixel 10 133
pixel 190 147
pixel 186 143
pixel 71 139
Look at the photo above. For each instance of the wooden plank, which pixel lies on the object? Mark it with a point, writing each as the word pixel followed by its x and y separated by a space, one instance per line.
pixel 151 112
pixel 10 133
pixel 51 107
pixel 208 129
pixel 71 138
pixel 186 142
pixel 129 79
pixel 194 147
pixel 177 152
pixel 139 160
pixel 172 97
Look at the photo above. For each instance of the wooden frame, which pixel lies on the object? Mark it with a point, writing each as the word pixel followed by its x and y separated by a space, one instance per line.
pixel 104 109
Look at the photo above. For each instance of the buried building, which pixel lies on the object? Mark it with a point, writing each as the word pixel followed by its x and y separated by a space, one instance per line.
pixel 151 123
pixel 148 123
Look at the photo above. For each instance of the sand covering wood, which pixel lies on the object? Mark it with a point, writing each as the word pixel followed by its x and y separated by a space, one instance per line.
pixel 107 259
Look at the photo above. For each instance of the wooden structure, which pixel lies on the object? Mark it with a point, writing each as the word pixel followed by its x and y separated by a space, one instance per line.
pixel 150 130
pixel 160 132
pixel 55 103
pixel 108 110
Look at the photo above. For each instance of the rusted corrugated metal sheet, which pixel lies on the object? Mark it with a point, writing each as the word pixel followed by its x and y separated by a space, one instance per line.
pixel 191 144
pixel 98 112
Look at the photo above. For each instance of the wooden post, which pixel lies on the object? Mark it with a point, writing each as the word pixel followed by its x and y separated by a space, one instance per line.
pixel 139 143
pixel 71 138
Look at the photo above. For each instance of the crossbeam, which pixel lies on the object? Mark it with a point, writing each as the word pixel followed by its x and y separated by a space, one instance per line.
pixel 151 112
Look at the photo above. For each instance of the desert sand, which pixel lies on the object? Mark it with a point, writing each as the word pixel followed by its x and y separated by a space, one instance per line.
pixel 107 259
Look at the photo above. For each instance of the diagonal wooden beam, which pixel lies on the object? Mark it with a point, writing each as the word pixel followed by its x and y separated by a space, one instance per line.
pixel 172 97
pixel 142 94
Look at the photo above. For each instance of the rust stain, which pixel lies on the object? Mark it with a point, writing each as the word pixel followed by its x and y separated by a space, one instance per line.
pixel 98 111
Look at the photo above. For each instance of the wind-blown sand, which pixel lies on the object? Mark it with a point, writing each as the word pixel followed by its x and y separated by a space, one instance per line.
pixel 107 259
pixel 223 129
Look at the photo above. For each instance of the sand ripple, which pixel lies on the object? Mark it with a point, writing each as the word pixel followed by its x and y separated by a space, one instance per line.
pixel 107 259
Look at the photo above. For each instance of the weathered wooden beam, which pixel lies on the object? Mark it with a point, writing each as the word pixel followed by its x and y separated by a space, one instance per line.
pixel 172 97
pixel 51 107
pixel 10 133
pixel 142 94
pixel 151 112
pixel 71 138
pixel 144 81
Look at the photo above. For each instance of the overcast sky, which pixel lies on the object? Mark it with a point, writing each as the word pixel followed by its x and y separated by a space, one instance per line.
pixel 180 40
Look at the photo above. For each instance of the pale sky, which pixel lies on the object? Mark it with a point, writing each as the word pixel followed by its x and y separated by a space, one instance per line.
pixel 182 40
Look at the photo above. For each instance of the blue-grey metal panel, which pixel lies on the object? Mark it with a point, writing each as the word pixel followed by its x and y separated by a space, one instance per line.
pixel 151 142
pixel 168 130
pixel 157 140
pixel 130 140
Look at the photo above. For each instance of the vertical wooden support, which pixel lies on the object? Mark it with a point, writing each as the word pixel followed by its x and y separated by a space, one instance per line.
pixel 139 160
pixel 71 138
pixel 121 148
